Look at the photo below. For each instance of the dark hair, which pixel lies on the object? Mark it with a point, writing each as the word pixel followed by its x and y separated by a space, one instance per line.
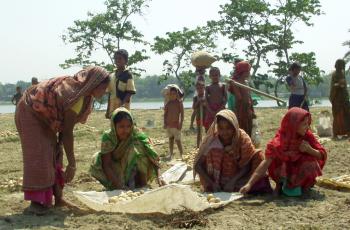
pixel 214 69
pixel 105 81
pixel 122 53
pixel 173 89
pixel 34 79
pixel 340 64
pixel 294 66
pixel 237 60
pixel 18 87
pixel 121 116
pixel 221 118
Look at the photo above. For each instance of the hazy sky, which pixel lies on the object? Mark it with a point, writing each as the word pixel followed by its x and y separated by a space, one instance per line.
pixel 31 45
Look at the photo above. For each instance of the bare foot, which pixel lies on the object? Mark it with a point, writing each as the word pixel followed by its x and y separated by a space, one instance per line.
pixel 65 203
pixel 277 191
pixel 36 209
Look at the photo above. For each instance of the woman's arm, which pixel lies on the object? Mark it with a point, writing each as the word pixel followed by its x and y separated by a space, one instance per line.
pixel 107 167
pixel 198 168
pixel 257 175
pixel 305 147
pixel 70 119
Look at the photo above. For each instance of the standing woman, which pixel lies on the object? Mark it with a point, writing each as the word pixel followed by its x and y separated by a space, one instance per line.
pixel 45 118
pixel 339 98
pixel 243 101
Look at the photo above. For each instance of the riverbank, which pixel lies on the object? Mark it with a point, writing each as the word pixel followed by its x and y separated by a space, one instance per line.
pixel 320 209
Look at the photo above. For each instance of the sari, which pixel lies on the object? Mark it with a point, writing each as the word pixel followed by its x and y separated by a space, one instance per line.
pixel 128 156
pixel 222 163
pixel 339 98
pixel 242 102
pixel 294 170
pixel 39 117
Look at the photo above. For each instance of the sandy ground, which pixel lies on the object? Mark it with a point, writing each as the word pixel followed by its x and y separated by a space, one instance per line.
pixel 320 209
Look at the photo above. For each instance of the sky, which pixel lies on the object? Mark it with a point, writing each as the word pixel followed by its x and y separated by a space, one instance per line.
pixel 31 30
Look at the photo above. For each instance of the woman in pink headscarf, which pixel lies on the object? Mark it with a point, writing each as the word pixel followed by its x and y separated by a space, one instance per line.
pixel 243 101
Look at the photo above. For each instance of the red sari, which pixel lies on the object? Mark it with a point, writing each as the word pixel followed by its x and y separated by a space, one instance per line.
pixel 243 101
pixel 297 168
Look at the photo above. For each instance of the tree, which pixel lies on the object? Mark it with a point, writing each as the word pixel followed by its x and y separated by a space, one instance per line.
pixel 288 13
pixel 249 21
pixel 107 31
pixel 347 54
pixel 180 45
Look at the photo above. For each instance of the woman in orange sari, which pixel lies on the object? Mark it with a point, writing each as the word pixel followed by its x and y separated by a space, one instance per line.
pixel 339 98
pixel 294 157
pixel 45 118
pixel 227 158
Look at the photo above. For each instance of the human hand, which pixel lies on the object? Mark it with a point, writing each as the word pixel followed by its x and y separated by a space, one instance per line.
pixel 305 147
pixel 69 173
pixel 245 189
pixel 161 181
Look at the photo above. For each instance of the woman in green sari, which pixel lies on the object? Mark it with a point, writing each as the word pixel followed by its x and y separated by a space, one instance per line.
pixel 126 159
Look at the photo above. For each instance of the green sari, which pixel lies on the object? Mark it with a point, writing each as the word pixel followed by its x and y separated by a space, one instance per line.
pixel 135 153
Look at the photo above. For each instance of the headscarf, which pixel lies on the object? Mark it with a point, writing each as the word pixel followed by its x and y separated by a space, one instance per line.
pixel 241 146
pixel 50 99
pixel 241 68
pixel 285 144
pixel 111 144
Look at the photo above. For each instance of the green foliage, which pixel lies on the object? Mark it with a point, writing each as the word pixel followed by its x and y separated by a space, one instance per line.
pixel 267 29
pixel 106 31
pixel 180 45
pixel 289 13
pixel 347 54
pixel 250 21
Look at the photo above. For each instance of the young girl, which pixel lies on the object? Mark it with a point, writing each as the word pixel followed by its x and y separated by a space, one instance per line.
pixel 227 158
pixel 294 158
pixel 126 159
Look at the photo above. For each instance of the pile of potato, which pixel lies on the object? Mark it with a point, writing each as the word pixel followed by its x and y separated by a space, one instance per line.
pixel 125 196
pixel 212 199
pixel 189 157
pixel 7 133
pixel 344 179
pixel 11 184
pixel 157 141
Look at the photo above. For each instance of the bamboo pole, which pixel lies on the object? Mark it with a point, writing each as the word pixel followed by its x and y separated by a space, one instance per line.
pixel 256 91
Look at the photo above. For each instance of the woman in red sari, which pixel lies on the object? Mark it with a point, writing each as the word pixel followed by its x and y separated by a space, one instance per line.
pixel 243 101
pixel 294 157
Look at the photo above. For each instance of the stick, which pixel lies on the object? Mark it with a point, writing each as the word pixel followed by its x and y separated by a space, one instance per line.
pixel 201 121
pixel 256 91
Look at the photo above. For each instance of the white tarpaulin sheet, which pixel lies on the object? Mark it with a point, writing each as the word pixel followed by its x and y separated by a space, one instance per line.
pixel 165 200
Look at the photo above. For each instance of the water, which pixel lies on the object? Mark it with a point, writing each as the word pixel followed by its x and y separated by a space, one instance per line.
pixel 187 105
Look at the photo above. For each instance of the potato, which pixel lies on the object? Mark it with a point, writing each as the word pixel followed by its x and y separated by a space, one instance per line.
pixel 142 192
pixel 210 196
pixel 212 200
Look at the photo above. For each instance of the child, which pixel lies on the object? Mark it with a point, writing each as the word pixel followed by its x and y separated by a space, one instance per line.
pixel 294 157
pixel 122 86
pixel 200 79
pixel 298 88
pixel 173 120
pixel 215 95
pixel 243 107
pixel 227 158
pixel 199 109
pixel 17 96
